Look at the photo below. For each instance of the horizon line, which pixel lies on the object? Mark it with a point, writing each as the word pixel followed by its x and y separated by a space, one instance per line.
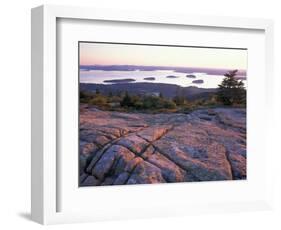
pixel 222 68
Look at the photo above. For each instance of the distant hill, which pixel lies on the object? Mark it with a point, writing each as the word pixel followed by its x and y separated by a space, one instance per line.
pixel 209 71
pixel 167 90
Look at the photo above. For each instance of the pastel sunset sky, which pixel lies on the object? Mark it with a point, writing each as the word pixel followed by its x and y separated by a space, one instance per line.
pixel 124 54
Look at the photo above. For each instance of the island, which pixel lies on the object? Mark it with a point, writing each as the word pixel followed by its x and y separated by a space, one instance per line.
pixel 125 80
pixel 198 81
pixel 190 76
pixel 172 76
pixel 149 78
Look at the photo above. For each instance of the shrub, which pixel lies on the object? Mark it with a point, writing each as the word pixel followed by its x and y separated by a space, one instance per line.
pixel 179 100
pixel 148 102
pixel 127 100
pixel 85 96
pixel 168 104
pixel 98 100
pixel 97 91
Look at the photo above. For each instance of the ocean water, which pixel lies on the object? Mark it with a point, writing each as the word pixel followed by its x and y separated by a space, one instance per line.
pixel 99 76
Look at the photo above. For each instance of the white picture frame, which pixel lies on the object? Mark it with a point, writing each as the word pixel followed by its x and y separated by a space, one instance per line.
pixel 45 182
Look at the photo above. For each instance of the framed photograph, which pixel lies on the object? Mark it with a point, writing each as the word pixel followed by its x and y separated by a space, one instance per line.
pixel 140 114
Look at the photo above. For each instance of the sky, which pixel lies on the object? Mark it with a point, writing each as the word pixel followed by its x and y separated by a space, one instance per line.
pixel 124 54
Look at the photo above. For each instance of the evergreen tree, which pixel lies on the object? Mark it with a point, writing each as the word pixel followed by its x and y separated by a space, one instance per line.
pixel 179 99
pixel 110 94
pixel 127 100
pixel 231 91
